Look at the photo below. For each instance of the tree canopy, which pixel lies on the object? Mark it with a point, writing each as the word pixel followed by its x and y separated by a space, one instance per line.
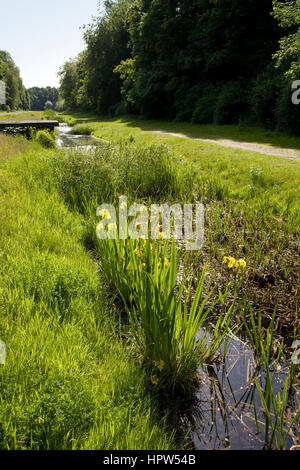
pixel 288 15
pixel 205 61
pixel 89 81
pixel 39 97
pixel 16 94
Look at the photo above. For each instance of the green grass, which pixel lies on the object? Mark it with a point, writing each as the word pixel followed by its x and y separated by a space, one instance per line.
pixel 251 200
pixel 230 174
pixel 130 127
pixel 48 206
pixel 69 381
pixel 23 116
pixel 81 129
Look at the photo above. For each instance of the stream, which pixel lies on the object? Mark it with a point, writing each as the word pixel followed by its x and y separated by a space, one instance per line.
pixel 65 139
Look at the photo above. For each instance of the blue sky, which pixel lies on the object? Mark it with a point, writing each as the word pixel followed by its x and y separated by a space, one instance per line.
pixel 41 35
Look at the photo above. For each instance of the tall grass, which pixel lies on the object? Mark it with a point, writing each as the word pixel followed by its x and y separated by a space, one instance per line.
pixel 276 426
pixel 103 174
pixel 264 348
pixel 268 357
pixel 81 129
pixel 69 381
pixel 165 318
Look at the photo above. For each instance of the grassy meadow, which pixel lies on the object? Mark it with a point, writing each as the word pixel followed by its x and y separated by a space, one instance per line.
pixel 69 381
pixel 21 116
pixel 132 128
pixel 98 331
pixel 252 204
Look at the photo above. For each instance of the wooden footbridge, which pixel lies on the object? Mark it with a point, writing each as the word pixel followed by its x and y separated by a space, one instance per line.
pixel 24 126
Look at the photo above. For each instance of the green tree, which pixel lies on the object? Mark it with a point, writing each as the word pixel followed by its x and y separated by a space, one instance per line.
pixel 106 41
pixel 181 48
pixel 69 82
pixel 288 55
pixel 89 81
pixel 16 96
pixel 40 95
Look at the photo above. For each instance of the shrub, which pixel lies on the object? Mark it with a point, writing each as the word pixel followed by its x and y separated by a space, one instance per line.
pixel 287 113
pixel 206 104
pixel 264 96
pixel 81 129
pixel 45 139
pixel 49 114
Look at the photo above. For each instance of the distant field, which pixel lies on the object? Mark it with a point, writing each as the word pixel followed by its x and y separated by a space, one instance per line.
pixel 18 116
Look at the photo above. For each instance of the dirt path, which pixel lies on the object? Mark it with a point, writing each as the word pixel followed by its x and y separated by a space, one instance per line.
pixel 13 113
pixel 253 147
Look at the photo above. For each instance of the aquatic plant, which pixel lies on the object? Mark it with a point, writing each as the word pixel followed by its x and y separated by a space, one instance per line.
pixel 165 318
pixel 45 139
pixel 275 406
pixel 81 129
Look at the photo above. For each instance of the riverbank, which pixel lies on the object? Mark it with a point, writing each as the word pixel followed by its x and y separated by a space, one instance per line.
pixel 196 136
pixel 69 381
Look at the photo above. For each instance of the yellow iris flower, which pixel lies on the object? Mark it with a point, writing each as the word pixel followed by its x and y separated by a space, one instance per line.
pixel 232 262
pixel 105 214
pixel 154 380
pixel 138 252
pixel 242 263
pixel 160 364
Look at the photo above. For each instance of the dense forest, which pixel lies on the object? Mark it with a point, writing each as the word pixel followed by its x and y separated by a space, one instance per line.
pixel 202 61
pixel 40 96
pixel 17 96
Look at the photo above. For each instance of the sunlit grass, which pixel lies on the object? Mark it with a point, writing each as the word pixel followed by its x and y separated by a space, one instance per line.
pixel 69 382
pixel 165 324
pixel 21 116
pixel 80 355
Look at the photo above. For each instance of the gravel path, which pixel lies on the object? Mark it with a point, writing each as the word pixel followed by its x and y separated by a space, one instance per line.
pixel 13 113
pixel 259 148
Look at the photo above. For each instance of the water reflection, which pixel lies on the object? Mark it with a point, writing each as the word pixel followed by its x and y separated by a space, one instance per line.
pixel 227 413
pixel 65 139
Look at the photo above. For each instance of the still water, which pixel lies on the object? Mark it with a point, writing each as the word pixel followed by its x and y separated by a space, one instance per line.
pixel 227 412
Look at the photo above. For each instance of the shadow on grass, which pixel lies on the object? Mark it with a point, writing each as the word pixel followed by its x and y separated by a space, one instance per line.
pixel 236 133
